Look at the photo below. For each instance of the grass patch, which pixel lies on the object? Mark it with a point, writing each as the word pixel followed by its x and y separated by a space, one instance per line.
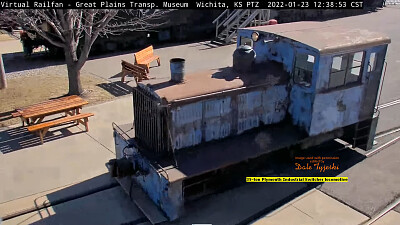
pixel 42 85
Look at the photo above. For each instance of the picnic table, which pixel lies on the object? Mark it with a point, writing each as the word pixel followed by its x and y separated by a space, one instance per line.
pixel 34 114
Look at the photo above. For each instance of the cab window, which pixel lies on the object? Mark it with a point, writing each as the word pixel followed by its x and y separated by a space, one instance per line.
pixel 346 69
pixel 372 62
pixel 303 69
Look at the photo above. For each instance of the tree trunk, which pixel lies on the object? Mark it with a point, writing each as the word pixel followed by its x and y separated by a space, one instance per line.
pixel 74 72
pixel 3 81
pixel 74 79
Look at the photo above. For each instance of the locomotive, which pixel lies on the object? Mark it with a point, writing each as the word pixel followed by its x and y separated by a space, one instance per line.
pixel 291 85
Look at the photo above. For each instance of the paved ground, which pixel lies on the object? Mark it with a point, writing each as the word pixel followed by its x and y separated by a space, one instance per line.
pixel 107 207
pixel 70 162
pixel 199 56
pixel 372 185
pixel 68 155
pixel 10 46
pixel 314 207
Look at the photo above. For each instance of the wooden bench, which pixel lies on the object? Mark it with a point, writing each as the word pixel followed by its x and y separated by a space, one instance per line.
pixel 145 57
pixel 138 72
pixel 16 114
pixel 42 128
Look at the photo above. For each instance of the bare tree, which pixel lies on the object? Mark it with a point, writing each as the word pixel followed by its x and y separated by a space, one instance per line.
pixel 71 26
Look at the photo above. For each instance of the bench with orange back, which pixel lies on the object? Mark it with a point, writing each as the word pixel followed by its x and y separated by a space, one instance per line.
pixel 138 72
pixel 145 57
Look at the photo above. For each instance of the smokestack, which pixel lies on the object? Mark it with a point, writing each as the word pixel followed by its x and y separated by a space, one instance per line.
pixel 177 66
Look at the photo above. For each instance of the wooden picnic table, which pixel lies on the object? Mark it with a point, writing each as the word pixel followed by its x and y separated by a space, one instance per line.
pixel 70 105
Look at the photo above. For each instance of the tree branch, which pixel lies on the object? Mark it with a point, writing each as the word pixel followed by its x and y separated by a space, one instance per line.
pixel 70 25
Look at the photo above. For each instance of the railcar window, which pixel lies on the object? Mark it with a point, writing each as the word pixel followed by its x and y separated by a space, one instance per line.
pixel 303 69
pixel 346 69
pixel 246 41
pixel 372 62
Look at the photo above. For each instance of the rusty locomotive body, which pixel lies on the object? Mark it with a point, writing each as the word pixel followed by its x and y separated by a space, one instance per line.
pixel 310 82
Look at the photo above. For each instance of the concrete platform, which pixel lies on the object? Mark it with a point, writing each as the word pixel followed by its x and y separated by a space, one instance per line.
pixel 391 218
pixel 67 156
pixel 56 195
pixel 118 111
pixel 372 184
pixel 313 207
pixel 69 159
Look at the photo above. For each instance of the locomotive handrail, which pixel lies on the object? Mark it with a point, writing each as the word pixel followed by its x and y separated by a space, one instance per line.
pixel 377 111
pixel 120 132
pixel 381 84
pixel 155 162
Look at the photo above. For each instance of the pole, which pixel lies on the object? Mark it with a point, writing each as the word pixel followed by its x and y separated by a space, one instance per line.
pixel 3 81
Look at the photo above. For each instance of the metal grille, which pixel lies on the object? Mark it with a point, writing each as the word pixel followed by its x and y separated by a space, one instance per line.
pixel 150 122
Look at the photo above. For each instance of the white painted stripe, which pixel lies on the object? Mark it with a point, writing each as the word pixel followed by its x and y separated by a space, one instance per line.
pixel 392 103
pixel 380 148
pixel 383 212
pixel 386 133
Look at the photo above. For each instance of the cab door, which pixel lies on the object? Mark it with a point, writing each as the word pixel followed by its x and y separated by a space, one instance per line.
pixel 376 61
pixel 303 86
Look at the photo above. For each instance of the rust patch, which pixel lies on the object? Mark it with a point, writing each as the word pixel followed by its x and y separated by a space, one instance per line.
pixel 340 106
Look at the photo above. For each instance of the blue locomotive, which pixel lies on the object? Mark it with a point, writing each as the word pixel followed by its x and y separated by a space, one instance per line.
pixel 297 84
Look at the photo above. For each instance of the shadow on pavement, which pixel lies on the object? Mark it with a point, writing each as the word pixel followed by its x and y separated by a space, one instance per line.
pixel 6 115
pixel 98 200
pixel 84 188
pixel 117 88
pixel 207 45
pixel 19 138
pixel 118 75
pixel 16 62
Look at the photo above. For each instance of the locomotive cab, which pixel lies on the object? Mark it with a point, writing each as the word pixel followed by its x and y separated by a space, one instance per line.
pixel 335 74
